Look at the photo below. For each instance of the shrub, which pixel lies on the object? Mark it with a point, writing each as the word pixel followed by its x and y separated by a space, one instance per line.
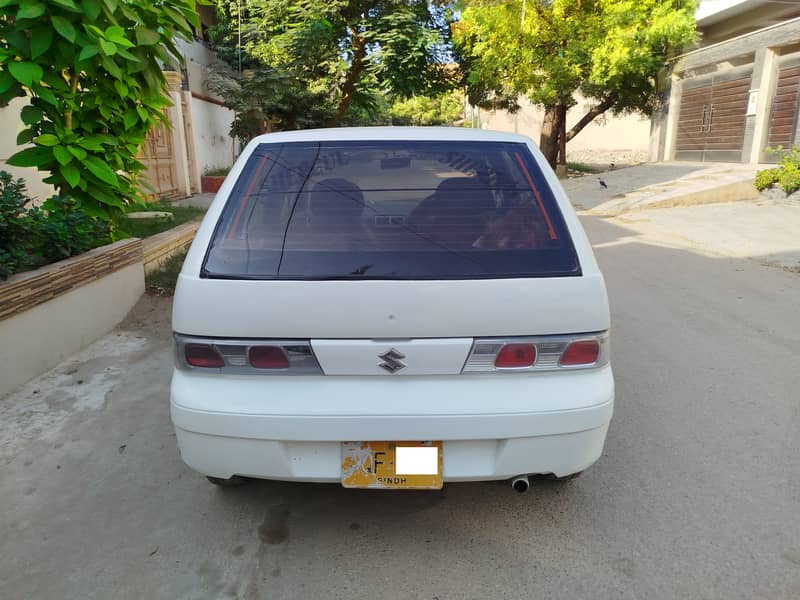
pixel 216 171
pixel 63 229
pixel 14 225
pixel 789 178
pixel 786 175
pixel 58 229
pixel 766 178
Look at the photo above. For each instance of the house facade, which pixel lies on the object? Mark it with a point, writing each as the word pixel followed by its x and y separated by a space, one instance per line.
pixel 735 96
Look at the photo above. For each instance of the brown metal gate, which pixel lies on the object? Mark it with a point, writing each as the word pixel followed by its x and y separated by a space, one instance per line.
pixel 783 116
pixel 712 118
pixel 158 158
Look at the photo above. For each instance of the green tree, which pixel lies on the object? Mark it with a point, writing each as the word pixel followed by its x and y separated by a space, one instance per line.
pixel 611 51
pixel 343 57
pixel 443 109
pixel 93 72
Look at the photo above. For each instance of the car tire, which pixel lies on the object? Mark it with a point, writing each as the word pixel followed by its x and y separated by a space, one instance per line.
pixel 234 481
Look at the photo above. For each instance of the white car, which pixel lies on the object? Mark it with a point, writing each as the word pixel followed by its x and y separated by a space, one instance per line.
pixel 391 308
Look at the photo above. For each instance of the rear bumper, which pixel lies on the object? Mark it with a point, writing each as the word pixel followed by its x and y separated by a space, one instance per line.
pixel 492 427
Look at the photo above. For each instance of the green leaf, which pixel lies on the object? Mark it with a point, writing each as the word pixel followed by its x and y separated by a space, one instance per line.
pixel 25 136
pixel 106 139
pixel 31 114
pixel 88 52
pixel 130 118
pixel 143 114
pixel 30 157
pixel 111 5
pixel 78 153
pixel 25 72
pixel 116 34
pixel 6 81
pixel 68 4
pixel 4 3
pixel 91 8
pixel 55 81
pixel 100 169
pixel 91 145
pixel 46 139
pixel 112 67
pixel 71 173
pixel 18 41
pixel 30 10
pixel 121 88
pixel 41 40
pixel 126 55
pixel 62 155
pixel 64 27
pixel 146 37
pixel 47 96
pixel 109 48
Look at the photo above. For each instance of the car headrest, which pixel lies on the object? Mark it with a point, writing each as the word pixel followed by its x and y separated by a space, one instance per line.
pixel 336 199
pixel 466 192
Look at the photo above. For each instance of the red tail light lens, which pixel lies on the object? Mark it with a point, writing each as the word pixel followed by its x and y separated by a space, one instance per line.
pixel 583 352
pixel 268 357
pixel 515 356
pixel 203 355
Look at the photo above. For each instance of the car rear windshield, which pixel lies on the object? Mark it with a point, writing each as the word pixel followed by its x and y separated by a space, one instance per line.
pixel 390 210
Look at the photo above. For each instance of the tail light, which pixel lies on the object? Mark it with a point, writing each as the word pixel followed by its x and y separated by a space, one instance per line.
pixel 540 353
pixel 268 357
pixel 202 355
pixel 515 356
pixel 582 352
pixel 246 357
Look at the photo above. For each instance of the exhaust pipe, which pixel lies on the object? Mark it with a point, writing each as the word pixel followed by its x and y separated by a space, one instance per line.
pixel 520 484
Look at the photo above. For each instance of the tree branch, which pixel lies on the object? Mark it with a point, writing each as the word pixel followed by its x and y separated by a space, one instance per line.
pixel 73 87
pixel 595 111
pixel 353 74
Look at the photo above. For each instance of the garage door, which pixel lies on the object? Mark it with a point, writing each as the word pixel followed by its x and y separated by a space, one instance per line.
pixel 783 116
pixel 712 118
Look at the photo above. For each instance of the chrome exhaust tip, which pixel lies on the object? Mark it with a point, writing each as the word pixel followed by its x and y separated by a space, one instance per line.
pixel 520 484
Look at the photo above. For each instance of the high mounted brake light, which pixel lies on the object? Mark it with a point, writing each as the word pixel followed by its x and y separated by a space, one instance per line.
pixel 540 353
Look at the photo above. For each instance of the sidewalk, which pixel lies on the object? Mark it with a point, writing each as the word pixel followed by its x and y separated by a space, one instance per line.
pixel 661 185
pixel 712 208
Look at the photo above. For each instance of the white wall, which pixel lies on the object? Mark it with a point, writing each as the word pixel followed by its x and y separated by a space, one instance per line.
pixel 626 136
pixel 211 125
pixel 10 126
pixel 38 339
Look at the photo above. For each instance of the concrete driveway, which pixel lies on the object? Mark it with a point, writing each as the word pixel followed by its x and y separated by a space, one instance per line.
pixel 696 496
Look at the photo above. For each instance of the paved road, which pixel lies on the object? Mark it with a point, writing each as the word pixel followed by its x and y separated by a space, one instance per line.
pixel 696 496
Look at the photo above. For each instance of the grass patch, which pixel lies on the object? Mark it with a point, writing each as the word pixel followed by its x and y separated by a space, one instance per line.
pixel 146 228
pixel 163 281
pixel 581 167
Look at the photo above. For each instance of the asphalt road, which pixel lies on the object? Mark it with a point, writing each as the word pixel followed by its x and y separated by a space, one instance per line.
pixel 697 494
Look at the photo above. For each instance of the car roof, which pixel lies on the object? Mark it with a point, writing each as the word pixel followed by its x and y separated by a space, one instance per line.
pixel 340 134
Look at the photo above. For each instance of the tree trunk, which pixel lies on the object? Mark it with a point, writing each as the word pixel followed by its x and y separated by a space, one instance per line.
pixel 548 139
pixel 555 120
pixel 594 112
pixel 353 75
pixel 562 135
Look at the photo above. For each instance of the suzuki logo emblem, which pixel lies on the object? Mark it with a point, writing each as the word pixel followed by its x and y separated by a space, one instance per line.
pixel 391 361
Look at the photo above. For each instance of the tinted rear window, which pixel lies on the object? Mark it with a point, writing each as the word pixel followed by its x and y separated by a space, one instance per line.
pixel 390 210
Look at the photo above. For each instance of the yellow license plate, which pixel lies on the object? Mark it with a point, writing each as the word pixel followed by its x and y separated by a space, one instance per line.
pixel 392 465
